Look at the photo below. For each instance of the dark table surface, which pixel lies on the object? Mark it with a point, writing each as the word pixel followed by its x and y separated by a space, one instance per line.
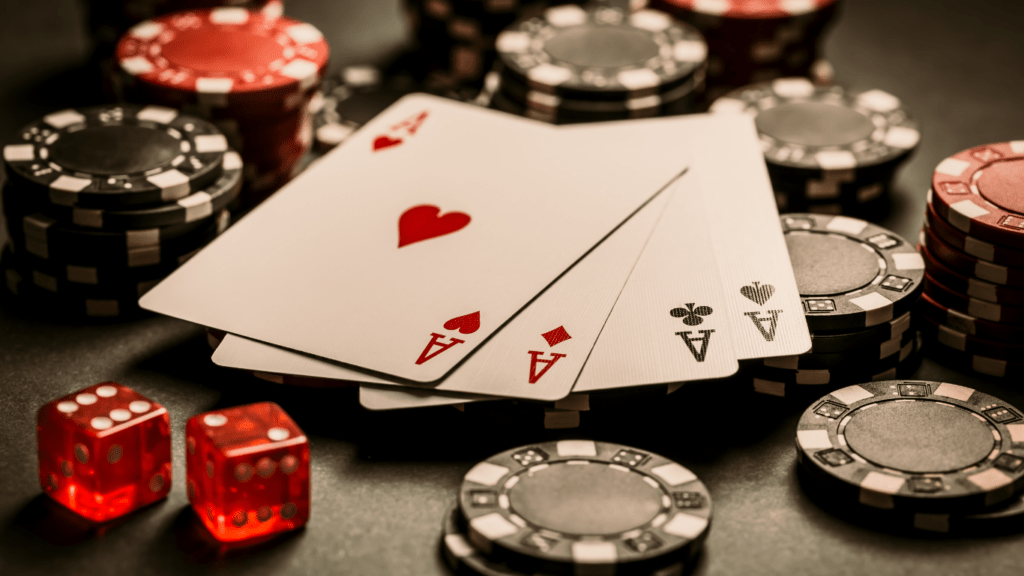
pixel 381 481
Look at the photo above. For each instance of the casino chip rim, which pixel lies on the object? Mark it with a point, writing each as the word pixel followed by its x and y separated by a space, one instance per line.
pixel 823 450
pixel 957 198
pixel 682 522
pixel 681 53
pixel 193 165
pixel 891 292
pixel 894 137
pixel 745 10
pixel 196 206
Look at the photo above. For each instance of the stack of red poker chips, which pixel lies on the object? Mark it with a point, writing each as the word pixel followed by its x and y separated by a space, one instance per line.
pixel 752 41
pixel 252 73
pixel 973 246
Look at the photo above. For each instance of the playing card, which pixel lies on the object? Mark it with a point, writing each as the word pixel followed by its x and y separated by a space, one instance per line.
pixel 761 297
pixel 670 324
pixel 404 249
pixel 537 355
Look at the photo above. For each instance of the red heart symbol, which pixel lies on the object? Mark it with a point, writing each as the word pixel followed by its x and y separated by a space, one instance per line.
pixel 465 324
pixel 425 222
pixel 385 142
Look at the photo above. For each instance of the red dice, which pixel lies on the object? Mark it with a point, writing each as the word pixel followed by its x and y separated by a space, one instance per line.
pixel 248 471
pixel 104 451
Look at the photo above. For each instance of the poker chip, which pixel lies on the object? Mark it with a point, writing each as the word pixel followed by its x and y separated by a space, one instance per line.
pixel 917 446
pixel 841 374
pixel 851 274
pixel 575 506
pixel 196 206
pixel 968 324
pixel 963 342
pixel 999 519
pixel 226 57
pixel 802 384
pixel 761 10
pixel 68 305
pixel 970 245
pixel 823 342
pixel 977 191
pixel 463 558
pixel 978 308
pixel 116 156
pixel 573 64
pixel 601 53
pixel 826 146
pixel 126 256
pixel 48 238
pixel 866 356
pixel 970 286
pixel 830 131
pixel 979 363
pixel 971 266
pixel 752 42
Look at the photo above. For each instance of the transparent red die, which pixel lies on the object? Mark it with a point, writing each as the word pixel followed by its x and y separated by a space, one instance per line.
pixel 248 471
pixel 104 451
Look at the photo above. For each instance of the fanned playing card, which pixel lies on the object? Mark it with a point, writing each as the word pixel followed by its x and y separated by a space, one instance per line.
pixel 761 297
pixel 537 355
pixel 671 323
pixel 405 248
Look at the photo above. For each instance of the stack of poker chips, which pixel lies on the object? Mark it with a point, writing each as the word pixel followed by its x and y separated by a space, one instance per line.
pixel 915 456
pixel 576 507
pixel 101 203
pixel 751 42
pixel 453 40
pixel 973 246
pixel 253 74
pixel 859 283
pixel 107 20
pixel 828 150
pixel 573 64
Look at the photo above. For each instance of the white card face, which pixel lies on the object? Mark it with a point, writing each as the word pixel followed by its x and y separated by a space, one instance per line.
pixel 537 355
pixel 404 249
pixel 760 291
pixel 670 324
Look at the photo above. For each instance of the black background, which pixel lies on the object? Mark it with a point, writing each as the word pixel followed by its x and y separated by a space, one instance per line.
pixel 381 481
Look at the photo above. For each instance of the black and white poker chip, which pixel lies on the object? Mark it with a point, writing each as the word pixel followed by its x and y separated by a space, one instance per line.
pixel 601 53
pixel 851 274
pixel 826 342
pixel 828 130
pixel 116 156
pixel 918 446
pixel 578 505
pixel 198 205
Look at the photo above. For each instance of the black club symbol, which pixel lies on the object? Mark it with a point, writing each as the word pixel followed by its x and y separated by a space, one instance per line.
pixel 691 316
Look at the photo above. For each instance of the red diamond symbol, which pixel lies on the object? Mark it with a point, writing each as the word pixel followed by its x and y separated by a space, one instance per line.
pixel 555 336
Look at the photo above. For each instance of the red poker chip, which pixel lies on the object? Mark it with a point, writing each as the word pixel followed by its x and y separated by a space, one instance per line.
pixel 968 265
pixel 750 9
pixel 978 308
pixel 970 245
pixel 978 192
pixel 963 342
pixel 929 307
pixel 225 57
pixel 970 286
